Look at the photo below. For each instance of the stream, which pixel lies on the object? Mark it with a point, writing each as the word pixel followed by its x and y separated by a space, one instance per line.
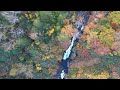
pixel 65 62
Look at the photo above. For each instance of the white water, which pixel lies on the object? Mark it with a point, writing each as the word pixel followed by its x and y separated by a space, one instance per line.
pixel 80 27
pixel 68 51
pixel 67 54
pixel 62 74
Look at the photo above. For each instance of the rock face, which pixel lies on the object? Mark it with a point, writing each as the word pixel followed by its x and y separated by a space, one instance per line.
pixel 18 32
pixel 2 36
pixel 11 16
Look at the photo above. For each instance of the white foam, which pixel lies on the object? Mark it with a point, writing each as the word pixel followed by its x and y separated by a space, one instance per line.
pixel 68 51
pixel 62 74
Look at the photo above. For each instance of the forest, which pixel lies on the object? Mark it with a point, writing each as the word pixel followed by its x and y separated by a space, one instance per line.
pixel 59 44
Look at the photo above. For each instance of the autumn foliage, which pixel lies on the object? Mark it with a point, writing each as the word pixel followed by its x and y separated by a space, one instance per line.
pixel 32 43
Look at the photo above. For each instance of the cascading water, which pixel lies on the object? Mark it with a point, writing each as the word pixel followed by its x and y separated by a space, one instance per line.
pixel 63 68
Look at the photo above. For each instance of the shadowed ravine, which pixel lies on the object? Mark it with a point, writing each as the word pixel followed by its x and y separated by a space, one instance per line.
pixel 65 62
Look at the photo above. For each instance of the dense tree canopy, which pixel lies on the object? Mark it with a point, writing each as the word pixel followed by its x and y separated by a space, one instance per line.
pixel 32 44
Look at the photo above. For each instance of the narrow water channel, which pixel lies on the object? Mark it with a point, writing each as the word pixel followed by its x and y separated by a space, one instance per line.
pixel 63 68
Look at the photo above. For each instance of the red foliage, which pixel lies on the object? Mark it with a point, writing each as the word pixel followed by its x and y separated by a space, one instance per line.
pixel 91 62
pixel 113 69
pixel 113 48
pixel 65 44
pixel 116 75
pixel 91 25
pixel 85 54
pixel 99 48
pixel 114 25
pixel 3 74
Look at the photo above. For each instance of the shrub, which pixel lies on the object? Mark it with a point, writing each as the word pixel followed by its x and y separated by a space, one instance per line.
pixel 106 36
pixel 23 42
pixel 114 17
pixel 48 24
pixel 73 73
pixel 4 55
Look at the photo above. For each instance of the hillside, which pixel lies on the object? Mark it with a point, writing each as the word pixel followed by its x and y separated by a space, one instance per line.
pixel 32 44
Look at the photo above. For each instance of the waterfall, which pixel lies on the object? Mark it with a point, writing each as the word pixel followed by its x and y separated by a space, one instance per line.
pixel 68 51
pixel 63 70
